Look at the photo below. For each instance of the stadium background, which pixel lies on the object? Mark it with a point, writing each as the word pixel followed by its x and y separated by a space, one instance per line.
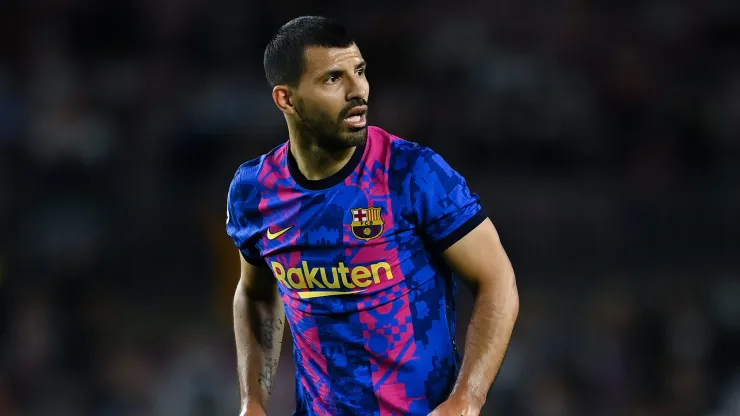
pixel 603 138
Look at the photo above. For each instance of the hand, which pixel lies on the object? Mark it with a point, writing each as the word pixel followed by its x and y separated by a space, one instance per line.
pixel 456 406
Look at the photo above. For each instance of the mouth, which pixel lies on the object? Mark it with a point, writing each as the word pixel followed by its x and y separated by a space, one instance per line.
pixel 356 117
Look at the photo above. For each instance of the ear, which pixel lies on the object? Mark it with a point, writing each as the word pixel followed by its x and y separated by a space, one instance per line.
pixel 283 97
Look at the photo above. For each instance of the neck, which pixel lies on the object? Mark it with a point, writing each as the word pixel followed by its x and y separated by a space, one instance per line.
pixel 315 162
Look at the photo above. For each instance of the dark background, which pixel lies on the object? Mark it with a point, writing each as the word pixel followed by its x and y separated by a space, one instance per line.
pixel 603 138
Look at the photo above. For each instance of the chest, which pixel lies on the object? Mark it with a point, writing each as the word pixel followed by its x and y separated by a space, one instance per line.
pixel 336 223
pixel 335 243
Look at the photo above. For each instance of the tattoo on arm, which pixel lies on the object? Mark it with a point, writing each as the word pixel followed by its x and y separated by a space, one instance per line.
pixel 270 340
pixel 267 376
pixel 269 326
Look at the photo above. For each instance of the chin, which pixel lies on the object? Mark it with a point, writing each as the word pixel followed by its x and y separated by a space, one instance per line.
pixel 355 137
pixel 344 139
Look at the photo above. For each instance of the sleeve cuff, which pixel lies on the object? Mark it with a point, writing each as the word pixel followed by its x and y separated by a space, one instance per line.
pixel 460 232
pixel 254 261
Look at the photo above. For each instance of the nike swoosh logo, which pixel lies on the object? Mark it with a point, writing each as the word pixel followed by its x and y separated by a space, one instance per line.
pixel 272 236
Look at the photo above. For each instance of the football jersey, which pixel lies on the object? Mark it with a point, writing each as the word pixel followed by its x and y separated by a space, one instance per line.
pixel 356 256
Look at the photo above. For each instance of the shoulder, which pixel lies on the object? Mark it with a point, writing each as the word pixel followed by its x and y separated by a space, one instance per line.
pixel 417 167
pixel 246 191
pixel 249 175
pixel 415 158
pixel 404 153
pixel 249 185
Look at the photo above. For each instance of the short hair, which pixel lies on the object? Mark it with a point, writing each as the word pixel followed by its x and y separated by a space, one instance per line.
pixel 284 59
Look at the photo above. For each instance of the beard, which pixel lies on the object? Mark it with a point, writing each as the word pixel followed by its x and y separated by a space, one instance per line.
pixel 327 132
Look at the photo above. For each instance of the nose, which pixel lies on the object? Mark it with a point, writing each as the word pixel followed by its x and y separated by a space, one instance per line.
pixel 357 88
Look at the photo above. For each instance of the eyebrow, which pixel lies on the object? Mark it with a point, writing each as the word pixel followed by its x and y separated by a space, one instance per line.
pixel 362 64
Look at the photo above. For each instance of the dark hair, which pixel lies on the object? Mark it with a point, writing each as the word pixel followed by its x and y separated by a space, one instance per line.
pixel 284 55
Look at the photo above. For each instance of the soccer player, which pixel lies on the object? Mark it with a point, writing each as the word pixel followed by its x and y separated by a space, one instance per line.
pixel 356 236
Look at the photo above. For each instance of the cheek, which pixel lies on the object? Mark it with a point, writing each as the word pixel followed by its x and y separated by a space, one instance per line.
pixel 329 111
pixel 324 113
pixel 314 107
pixel 331 105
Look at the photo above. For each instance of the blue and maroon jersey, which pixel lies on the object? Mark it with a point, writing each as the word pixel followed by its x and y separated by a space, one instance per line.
pixel 369 300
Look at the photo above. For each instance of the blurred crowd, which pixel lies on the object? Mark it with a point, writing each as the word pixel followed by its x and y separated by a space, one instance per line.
pixel 603 138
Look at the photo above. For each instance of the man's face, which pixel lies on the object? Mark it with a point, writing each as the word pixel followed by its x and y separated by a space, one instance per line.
pixel 331 98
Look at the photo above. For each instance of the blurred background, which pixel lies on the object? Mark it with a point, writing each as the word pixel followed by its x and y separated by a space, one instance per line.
pixel 603 138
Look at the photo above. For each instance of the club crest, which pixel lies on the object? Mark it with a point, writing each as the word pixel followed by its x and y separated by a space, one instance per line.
pixel 367 223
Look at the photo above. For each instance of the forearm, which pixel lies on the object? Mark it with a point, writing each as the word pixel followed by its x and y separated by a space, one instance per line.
pixel 494 313
pixel 258 329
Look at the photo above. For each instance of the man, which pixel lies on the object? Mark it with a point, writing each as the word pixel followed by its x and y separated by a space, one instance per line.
pixel 354 235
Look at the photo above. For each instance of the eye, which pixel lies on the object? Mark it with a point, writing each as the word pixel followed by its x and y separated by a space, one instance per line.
pixel 332 79
pixel 361 72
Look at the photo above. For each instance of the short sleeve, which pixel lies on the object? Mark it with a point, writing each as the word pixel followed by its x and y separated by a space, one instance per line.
pixel 446 210
pixel 243 218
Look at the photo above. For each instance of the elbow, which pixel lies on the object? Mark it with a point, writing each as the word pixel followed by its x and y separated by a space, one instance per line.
pixel 514 303
pixel 505 296
pixel 512 297
pixel 240 302
pixel 242 298
pixel 500 294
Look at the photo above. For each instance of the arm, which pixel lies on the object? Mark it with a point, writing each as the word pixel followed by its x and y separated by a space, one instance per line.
pixel 480 260
pixel 258 328
pixel 451 218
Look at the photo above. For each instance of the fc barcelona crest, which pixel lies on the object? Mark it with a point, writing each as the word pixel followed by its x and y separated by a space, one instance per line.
pixel 367 223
